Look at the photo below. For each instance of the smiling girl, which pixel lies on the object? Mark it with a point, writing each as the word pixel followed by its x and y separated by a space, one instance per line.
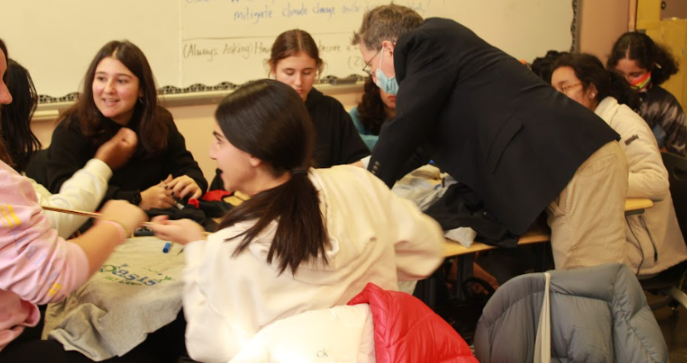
pixel 120 92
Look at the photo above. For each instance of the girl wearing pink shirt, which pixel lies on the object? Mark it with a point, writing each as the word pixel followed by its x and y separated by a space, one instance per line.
pixel 36 265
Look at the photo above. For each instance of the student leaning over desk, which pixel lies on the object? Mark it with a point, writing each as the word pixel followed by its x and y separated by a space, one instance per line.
pixel 307 239
pixel 36 265
pixel 654 240
pixel 86 188
pixel 120 92
pixel 485 119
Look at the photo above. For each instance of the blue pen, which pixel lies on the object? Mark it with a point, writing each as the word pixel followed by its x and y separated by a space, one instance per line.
pixel 167 247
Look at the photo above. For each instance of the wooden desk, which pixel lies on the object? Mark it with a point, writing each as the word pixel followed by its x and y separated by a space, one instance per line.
pixel 637 205
pixel 453 249
pixel 537 235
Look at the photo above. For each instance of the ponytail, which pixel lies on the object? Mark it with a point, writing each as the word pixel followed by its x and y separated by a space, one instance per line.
pixel 268 120
pixel 301 233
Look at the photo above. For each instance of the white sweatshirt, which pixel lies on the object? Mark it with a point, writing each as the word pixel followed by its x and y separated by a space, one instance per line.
pixel 648 178
pixel 83 191
pixel 374 236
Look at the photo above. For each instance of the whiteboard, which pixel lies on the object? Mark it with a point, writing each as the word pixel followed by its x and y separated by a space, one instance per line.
pixel 196 45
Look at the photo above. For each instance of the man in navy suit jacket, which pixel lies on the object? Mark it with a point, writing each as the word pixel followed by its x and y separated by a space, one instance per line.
pixel 496 127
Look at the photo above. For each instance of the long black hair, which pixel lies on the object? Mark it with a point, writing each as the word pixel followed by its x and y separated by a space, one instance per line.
pixel 371 108
pixel 15 119
pixel 4 155
pixel 268 120
pixel 543 66
pixel 649 55
pixel 589 70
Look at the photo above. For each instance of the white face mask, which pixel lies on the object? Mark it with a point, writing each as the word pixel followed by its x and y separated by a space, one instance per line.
pixel 386 84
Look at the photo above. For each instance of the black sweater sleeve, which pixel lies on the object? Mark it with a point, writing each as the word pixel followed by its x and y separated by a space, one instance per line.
pixel 352 146
pixel 69 151
pixel 179 161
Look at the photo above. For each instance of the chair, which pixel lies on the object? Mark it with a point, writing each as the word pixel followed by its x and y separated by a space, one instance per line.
pixel 670 285
pixel 597 314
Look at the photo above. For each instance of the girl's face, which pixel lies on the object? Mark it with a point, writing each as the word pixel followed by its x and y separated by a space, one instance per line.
pixel 388 100
pixel 237 166
pixel 115 90
pixel 298 71
pixel 631 70
pixel 565 81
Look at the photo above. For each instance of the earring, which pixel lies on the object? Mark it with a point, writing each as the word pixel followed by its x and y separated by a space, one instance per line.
pixel 591 96
pixel 140 100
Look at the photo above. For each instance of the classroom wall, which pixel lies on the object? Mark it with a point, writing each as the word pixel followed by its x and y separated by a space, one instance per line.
pixel 597 33
pixel 599 29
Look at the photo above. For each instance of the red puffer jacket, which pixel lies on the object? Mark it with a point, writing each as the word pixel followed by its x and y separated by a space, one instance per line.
pixel 406 330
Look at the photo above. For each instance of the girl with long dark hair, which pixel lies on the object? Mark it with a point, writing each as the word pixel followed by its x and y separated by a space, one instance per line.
pixel 36 265
pixel 374 109
pixel 86 188
pixel 119 91
pixel 306 239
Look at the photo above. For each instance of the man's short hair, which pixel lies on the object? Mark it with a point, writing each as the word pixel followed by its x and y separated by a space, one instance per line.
pixel 386 22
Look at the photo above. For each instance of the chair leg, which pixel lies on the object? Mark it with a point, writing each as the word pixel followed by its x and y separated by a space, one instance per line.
pixel 679 296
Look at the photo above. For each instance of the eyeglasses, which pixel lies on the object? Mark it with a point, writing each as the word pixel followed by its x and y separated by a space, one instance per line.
pixel 368 68
pixel 567 88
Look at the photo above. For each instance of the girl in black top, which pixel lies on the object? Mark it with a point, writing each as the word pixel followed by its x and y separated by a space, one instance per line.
pixel 295 61
pixel 120 92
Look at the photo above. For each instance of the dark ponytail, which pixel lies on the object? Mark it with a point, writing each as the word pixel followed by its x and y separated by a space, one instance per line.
pixel 649 55
pixel 589 70
pixel 268 120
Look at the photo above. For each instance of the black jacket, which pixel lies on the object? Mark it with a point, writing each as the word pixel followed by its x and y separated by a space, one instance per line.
pixel 485 119
pixel 70 150
pixel 336 139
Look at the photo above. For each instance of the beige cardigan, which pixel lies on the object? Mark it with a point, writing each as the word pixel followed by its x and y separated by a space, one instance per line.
pixel 648 178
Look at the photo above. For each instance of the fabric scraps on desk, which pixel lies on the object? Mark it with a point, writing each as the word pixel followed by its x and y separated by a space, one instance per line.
pixel 215 195
pixel 463 235
pixel 136 292
pixel 461 207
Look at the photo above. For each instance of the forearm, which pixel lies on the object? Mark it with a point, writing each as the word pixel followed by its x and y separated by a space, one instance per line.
pixel 83 191
pixel 98 243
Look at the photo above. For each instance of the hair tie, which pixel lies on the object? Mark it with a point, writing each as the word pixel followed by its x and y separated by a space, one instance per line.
pixel 299 171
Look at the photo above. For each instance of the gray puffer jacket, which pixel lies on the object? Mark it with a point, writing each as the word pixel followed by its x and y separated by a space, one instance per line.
pixel 598 314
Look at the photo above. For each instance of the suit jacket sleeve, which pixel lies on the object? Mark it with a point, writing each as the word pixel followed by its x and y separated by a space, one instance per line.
pixel 426 77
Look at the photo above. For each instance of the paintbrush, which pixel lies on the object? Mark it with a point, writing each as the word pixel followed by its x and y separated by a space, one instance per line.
pixel 90 215
pixel 82 213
